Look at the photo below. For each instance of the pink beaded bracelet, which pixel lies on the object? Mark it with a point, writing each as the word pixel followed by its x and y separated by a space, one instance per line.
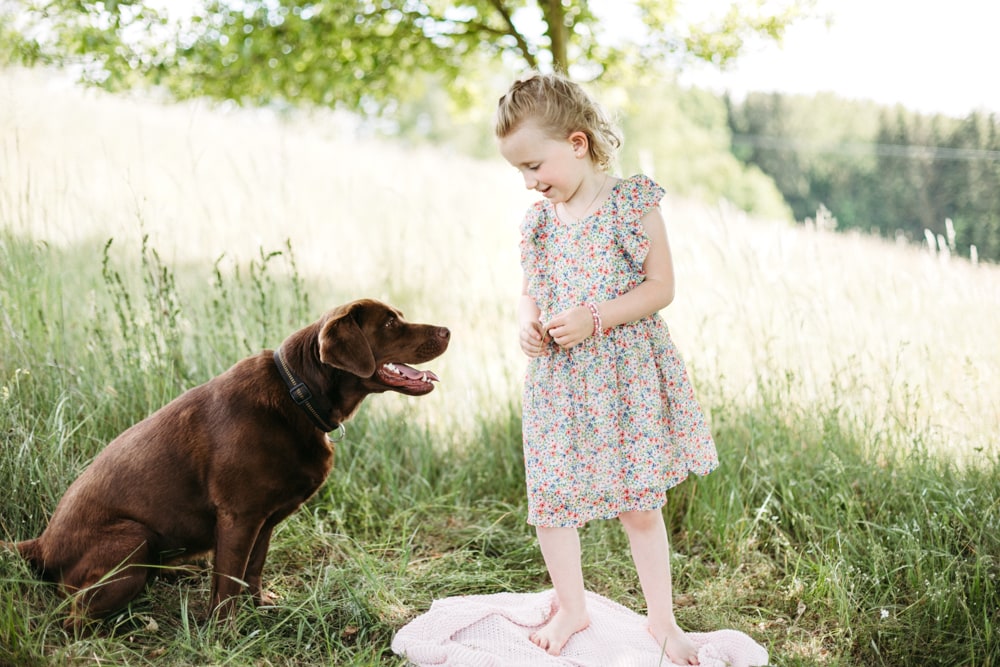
pixel 598 329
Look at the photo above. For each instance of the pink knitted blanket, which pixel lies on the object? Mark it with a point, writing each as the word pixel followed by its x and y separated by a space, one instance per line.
pixel 493 630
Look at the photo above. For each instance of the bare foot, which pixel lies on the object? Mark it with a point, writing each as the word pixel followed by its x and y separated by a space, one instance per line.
pixel 675 644
pixel 556 632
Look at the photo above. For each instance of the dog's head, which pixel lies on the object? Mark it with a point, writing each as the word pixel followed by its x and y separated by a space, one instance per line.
pixel 372 340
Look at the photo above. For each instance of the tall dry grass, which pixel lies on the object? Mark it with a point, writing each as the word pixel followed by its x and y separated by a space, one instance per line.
pixel 893 335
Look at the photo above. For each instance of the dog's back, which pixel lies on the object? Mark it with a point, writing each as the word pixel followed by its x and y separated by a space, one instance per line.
pixel 155 487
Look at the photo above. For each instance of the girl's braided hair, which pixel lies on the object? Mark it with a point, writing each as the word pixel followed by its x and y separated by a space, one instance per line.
pixel 560 107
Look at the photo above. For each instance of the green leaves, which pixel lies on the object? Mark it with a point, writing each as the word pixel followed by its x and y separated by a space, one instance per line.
pixel 359 54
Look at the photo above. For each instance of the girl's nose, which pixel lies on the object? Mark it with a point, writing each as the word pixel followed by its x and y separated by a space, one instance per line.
pixel 530 181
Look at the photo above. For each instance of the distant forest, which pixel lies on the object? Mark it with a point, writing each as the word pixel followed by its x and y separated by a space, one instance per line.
pixel 884 170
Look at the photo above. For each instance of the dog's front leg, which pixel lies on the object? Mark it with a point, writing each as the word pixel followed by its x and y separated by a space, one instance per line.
pixel 255 566
pixel 234 540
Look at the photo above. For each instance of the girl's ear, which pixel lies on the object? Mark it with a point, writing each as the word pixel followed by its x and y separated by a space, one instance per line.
pixel 580 143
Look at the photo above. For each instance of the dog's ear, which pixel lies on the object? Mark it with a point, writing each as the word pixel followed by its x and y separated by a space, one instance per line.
pixel 342 344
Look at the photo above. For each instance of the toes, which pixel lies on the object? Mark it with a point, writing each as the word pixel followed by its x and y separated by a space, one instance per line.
pixel 546 644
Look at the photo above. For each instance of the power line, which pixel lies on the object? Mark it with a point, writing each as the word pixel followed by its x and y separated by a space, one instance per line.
pixel 856 148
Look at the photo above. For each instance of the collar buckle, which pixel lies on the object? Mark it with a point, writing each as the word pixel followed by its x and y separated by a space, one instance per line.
pixel 300 393
pixel 303 397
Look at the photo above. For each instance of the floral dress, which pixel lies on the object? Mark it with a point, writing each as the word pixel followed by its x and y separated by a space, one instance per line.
pixel 610 424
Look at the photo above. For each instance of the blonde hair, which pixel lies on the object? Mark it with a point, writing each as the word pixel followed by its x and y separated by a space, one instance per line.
pixel 560 107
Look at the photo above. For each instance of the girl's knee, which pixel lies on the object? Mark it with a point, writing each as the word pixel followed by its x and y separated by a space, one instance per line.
pixel 640 520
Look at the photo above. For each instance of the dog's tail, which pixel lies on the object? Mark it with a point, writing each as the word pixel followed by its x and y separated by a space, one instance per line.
pixel 30 551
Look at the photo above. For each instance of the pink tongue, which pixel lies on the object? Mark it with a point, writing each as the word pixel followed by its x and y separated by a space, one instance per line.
pixel 413 373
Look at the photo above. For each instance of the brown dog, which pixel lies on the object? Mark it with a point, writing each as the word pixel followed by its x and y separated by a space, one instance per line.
pixel 221 465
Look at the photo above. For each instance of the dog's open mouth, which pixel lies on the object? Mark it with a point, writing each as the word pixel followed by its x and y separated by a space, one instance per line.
pixel 406 378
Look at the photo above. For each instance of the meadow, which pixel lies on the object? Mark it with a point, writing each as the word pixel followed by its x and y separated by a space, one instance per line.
pixel 851 385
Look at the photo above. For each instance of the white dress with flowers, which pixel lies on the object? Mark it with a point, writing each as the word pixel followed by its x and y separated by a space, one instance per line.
pixel 610 424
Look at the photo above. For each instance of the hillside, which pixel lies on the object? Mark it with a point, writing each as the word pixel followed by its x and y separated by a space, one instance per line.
pixel 891 333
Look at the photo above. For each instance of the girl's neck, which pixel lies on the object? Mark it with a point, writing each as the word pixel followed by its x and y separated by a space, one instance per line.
pixel 574 209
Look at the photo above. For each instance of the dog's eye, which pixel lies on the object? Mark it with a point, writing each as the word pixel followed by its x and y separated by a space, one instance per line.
pixel 391 322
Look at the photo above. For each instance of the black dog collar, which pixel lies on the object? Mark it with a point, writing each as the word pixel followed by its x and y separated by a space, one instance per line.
pixel 314 406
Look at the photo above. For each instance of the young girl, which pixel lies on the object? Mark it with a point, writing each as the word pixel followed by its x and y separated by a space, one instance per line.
pixel 610 417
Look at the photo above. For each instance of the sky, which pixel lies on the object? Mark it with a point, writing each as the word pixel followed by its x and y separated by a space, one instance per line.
pixel 930 56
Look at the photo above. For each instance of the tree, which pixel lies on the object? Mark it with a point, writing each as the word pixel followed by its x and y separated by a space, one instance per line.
pixel 880 169
pixel 972 185
pixel 363 53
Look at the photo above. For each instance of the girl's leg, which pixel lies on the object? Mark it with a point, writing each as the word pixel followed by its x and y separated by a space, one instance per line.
pixel 647 536
pixel 561 550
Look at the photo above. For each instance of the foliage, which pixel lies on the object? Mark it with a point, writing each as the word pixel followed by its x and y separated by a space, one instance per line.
pixel 681 137
pixel 810 146
pixel 362 54
pixel 888 170
pixel 952 170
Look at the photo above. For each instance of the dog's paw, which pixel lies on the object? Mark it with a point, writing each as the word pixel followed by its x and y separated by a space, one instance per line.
pixel 268 598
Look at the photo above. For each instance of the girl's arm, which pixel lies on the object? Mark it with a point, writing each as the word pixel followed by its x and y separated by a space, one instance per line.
pixel 533 338
pixel 654 293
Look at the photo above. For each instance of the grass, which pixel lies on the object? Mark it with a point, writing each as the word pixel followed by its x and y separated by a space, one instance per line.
pixel 854 519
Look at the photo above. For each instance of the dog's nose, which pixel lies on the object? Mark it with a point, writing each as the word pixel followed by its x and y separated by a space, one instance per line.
pixel 443 332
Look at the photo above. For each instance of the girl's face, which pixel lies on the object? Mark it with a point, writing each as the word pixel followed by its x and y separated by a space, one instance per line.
pixel 552 166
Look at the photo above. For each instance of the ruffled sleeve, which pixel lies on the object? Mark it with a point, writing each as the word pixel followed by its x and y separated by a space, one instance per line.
pixel 634 197
pixel 531 231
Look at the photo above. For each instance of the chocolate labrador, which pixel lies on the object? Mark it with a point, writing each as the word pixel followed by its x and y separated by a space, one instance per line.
pixel 221 465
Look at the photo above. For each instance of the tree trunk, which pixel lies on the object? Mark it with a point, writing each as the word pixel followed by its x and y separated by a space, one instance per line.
pixel 555 20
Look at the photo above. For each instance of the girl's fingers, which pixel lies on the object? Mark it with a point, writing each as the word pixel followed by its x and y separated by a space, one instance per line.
pixel 533 339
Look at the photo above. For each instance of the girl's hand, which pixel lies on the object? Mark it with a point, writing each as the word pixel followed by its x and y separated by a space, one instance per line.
pixel 571 327
pixel 533 339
